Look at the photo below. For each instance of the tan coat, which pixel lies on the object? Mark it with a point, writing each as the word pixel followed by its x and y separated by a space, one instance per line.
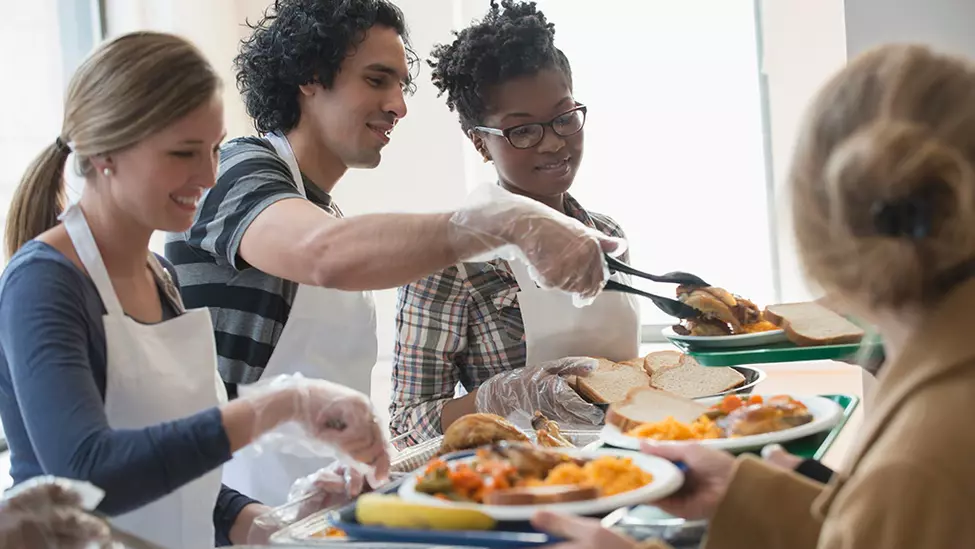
pixel 909 482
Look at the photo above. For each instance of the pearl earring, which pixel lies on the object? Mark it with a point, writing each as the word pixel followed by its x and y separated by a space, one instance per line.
pixel 107 172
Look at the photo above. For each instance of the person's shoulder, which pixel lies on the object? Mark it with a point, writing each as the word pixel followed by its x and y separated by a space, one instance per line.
pixel 607 225
pixel 247 143
pixel 38 270
pixel 39 257
pixel 248 156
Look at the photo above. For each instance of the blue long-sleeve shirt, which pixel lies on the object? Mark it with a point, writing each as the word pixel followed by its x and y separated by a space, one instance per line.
pixel 53 366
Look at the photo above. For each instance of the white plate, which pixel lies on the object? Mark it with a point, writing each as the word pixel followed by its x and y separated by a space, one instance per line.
pixel 826 414
pixel 727 342
pixel 667 479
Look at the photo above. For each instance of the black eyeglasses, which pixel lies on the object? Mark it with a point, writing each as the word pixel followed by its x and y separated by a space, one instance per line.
pixel 526 136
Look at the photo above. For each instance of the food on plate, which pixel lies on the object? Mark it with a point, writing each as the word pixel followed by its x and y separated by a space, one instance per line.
pixel 755 417
pixel 521 474
pixel 671 429
pixel 652 406
pixel 656 415
pixel 665 370
pixel 548 434
pixel 541 495
pixel 689 379
pixel 611 381
pixel 661 360
pixel 476 430
pixel 329 532
pixel 722 313
pixel 393 512
pixel 809 324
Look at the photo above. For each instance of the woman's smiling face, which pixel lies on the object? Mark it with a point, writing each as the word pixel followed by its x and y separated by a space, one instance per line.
pixel 544 171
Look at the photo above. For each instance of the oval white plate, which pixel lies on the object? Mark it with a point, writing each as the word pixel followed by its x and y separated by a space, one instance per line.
pixel 667 479
pixel 729 341
pixel 826 414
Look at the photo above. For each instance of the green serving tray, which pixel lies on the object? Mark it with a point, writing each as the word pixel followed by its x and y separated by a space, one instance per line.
pixel 780 352
pixel 870 350
pixel 816 446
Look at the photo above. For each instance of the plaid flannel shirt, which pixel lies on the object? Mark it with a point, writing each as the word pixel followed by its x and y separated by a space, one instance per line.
pixel 463 325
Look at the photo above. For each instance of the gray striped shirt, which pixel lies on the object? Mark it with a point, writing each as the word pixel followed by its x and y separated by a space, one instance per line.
pixel 248 307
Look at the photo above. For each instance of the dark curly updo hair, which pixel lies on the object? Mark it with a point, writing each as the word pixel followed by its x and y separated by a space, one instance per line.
pixel 302 41
pixel 514 39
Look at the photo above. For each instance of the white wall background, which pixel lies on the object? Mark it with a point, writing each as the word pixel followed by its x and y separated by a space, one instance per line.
pixel 804 44
pixel 31 90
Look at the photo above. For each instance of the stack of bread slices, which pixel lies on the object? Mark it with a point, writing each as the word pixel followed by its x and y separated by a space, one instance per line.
pixel 669 371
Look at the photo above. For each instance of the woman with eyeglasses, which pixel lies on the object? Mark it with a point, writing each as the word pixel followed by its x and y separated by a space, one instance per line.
pixel 486 325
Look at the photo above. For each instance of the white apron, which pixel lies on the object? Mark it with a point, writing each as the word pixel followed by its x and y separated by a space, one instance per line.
pixel 331 335
pixel 156 373
pixel 555 328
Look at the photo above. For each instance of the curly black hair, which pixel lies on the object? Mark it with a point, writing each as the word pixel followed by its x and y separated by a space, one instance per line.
pixel 297 42
pixel 514 39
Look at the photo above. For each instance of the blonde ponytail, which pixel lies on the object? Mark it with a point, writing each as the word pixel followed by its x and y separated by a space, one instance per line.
pixel 38 200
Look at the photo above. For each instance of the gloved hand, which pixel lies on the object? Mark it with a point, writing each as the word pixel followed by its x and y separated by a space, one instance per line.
pixel 560 251
pixel 541 387
pixel 49 515
pixel 327 487
pixel 332 485
pixel 334 420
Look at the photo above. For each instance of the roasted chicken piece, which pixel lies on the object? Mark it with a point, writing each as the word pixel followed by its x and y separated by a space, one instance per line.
pixel 703 327
pixel 758 419
pixel 747 312
pixel 548 434
pixel 474 430
pixel 712 308
pixel 722 295
pixel 530 460
pixel 721 312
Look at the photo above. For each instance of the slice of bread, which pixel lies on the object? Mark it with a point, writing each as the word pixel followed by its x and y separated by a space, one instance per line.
pixel 611 381
pixel 539 495
pixel 650 406
pixel 691 380
pixel 660 360
pixel 810 324
pixel 634 362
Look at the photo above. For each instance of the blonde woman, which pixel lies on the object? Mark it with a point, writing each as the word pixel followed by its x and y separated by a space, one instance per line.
pixel 883 187
pixel 103 374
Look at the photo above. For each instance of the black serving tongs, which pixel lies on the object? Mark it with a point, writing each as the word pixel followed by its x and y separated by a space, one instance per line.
pixel 670 306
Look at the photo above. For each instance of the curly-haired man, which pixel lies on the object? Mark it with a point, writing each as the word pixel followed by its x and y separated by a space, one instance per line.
pixel 285 275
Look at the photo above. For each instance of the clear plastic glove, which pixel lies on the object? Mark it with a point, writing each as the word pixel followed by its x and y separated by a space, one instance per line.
pixel 49 514
pixel 560 252
pixel 318 418
pixel 330 486
pixel 541 387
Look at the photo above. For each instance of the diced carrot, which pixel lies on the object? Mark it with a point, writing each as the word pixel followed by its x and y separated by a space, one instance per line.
pixel 730 403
